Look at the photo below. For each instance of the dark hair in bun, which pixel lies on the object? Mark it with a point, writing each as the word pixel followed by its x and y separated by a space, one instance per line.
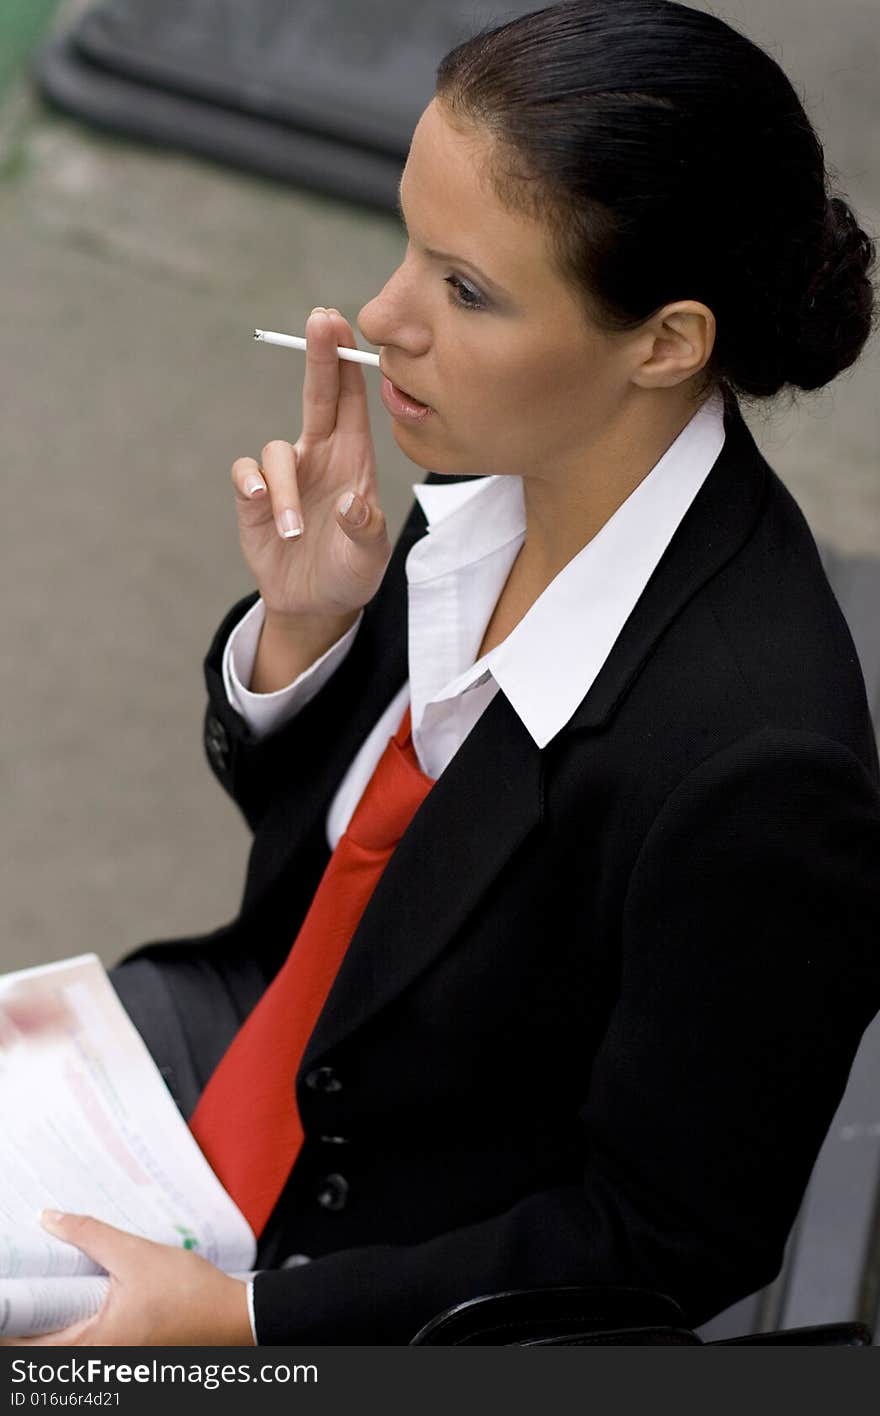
pixel 673 160
pixel 837 313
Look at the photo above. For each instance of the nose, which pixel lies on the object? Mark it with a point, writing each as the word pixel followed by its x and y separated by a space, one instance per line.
pixel 392 316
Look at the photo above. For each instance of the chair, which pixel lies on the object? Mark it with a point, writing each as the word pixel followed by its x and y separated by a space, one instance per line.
pixel 601 1317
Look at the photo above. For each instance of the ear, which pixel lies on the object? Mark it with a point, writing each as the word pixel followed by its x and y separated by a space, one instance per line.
pixel 675 344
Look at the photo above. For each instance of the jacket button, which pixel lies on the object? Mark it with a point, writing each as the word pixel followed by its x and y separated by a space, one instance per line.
pixel 323 1079
pixel 217 742
pixel 332 1192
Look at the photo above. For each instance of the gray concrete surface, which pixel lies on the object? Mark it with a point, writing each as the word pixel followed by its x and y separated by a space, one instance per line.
pixel 132 280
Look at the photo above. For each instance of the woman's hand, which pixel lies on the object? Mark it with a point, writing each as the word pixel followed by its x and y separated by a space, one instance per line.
pixel 159 1296
pixel 334 567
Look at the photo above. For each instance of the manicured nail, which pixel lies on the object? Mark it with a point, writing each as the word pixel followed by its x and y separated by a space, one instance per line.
pixel 354 509
pixel 290 523
pixel 255 486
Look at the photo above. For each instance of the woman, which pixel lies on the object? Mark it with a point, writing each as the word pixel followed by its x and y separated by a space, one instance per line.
pixel 596 1016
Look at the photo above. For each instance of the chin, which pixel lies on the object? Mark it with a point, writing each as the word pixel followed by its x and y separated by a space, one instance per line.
pixel 416 450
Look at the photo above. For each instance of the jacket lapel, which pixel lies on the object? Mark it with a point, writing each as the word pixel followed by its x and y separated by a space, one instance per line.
pixel 715 526
pixel 490 797
pixel 474 817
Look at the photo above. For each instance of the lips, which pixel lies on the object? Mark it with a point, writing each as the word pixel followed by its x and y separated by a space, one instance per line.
pixel 405 391
pixel 403 405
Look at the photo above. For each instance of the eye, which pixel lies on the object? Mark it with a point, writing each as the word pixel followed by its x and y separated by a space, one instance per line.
pixel 467 298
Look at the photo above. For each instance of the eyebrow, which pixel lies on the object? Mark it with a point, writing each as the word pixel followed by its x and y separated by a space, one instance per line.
pixel 453 260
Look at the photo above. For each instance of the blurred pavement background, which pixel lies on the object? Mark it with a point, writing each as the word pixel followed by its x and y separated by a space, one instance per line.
pixel 132 279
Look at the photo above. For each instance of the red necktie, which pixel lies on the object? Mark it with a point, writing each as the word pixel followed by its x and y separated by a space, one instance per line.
pixel 246 1120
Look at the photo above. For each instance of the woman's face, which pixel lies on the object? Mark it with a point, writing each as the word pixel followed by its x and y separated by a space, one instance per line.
pixel 477 324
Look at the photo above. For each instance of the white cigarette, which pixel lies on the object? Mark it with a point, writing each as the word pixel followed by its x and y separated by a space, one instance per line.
pixel 295 341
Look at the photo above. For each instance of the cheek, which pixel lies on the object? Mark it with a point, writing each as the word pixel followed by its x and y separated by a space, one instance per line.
pixel 534 403
pixel 497 385
pixel 501 408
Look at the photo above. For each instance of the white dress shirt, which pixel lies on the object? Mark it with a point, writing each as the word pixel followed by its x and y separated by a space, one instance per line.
pixel 455 574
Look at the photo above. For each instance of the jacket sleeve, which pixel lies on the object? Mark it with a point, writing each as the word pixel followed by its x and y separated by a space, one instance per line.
pixel 750 967
pixel 265 712
pixel 250 766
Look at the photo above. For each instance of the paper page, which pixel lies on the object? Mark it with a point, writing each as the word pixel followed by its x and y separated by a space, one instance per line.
pixel 89 1127
pixel 30 1307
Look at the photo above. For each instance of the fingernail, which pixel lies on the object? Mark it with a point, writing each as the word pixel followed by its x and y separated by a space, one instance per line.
pixel 290 523
pixel 354 509
pixel 255 486
pixel 49 1217
pixel 320 312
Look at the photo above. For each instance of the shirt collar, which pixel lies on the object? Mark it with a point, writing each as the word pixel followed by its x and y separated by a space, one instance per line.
pixel 547 664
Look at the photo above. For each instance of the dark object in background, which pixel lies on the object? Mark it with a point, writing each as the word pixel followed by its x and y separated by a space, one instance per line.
pixel 322 94
pixel 601 1317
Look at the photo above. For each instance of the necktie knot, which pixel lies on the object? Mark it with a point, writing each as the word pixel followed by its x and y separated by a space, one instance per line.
pixel 392 796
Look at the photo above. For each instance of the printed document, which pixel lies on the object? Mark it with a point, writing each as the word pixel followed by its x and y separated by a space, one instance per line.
pixel 88 1126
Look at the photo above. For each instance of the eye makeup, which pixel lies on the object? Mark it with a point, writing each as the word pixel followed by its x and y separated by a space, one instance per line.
pixel 467 297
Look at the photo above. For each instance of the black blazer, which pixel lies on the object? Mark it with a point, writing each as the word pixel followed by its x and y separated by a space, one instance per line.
pixel 599 1012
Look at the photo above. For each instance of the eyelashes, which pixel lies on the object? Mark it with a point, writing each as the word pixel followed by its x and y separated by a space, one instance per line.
pixel 466 297
pixel 463 296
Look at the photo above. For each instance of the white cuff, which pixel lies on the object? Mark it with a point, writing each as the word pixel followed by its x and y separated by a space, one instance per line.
pixel 265 711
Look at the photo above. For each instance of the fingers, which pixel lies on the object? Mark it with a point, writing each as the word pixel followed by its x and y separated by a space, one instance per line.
pixel 321 384
pixel 279 465
pixel 352 410
pixel 114 1249
pixel 334 401
pixel 364 525
pixel 247 479
pixel 271 486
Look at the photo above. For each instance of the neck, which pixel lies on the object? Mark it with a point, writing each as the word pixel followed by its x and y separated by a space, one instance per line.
pixel 565 509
